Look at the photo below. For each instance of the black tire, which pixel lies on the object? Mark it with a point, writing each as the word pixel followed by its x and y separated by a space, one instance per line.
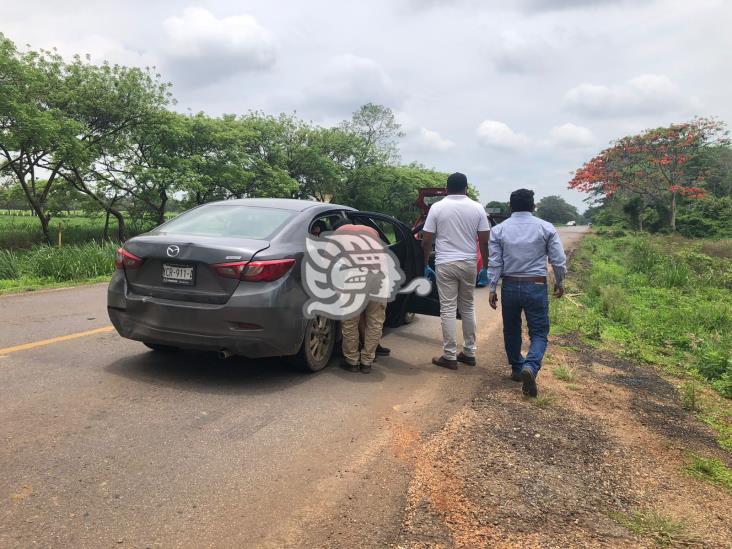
pixel 160 348
pixel 317 345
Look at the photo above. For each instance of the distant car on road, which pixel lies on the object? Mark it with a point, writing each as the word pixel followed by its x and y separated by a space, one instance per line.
pixel 225 277
pixel 571 223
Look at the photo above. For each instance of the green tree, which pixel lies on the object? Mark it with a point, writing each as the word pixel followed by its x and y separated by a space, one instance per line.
pixel 660 165
pixel 110 104
pixel 376 125
pixel 35 133
pixel 502 206
pixel 555 209
pixel 389 189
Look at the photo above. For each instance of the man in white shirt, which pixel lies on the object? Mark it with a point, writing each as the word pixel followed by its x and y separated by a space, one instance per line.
pixel 453 223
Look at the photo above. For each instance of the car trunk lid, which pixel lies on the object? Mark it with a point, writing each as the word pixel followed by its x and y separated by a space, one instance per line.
pixel 179 268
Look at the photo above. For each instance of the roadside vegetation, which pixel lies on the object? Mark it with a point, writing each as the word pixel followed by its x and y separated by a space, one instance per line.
pixel 710 470
pixel 663 530
pixel 48 266
pixel 663 301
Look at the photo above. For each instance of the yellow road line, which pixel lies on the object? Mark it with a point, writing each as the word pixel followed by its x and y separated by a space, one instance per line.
pixel 60 339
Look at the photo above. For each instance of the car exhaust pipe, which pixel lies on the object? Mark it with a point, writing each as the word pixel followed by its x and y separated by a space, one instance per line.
pixel 224 354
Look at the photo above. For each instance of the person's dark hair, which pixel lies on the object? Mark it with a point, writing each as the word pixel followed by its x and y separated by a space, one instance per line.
pixel 522 200
pixel 320 225
pixel 457 183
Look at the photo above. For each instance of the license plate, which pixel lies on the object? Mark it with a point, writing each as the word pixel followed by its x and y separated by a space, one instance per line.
pixel 182 275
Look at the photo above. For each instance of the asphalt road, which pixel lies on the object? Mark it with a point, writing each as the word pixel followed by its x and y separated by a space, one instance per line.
pixel 105 444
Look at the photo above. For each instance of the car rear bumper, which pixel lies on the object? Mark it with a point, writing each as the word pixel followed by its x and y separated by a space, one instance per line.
pixel 255 322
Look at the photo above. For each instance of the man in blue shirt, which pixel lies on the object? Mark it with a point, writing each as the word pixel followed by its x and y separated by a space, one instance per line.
pixel 518 252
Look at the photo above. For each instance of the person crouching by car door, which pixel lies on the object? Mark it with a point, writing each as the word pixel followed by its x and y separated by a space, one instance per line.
pixel 357 356
pixel 453 223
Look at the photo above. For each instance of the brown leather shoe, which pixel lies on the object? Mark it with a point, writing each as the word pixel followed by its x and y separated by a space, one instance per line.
pixel 445 362
pixel 465 359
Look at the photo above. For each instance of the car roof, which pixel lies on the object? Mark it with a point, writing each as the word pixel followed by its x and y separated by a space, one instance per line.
pixel 281 203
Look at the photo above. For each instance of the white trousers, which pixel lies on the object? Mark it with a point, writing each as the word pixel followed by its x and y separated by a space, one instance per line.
pixel 456 285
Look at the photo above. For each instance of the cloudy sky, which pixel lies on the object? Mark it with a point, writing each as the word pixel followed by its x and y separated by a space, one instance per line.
pixel 515 94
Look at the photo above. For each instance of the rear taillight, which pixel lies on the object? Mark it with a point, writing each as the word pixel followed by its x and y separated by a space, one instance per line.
pixel 125 259
pixel 255 271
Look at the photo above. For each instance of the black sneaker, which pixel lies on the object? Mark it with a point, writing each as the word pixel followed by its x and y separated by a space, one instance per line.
pixel 382 351
pixel 365 368
pixel 465 359
pixel 445 363
pixel 516 376
pixel 529 381
pixel 350 367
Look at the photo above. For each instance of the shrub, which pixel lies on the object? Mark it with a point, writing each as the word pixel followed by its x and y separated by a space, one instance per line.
pixel 643 256
pixel 673 274
pixel 614 304
pixel 689 397
pixel 8 264
pixel 718 248
pixel 83 262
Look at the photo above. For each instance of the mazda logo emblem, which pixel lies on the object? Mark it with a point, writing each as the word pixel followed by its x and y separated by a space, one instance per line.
pixel 173 251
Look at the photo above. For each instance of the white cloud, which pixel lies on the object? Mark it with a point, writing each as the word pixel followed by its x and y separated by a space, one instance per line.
pixel 515 53
pixel 103 48
pixel 642 95
pixel 348 81
pixel 433 141
pixel 498 135
pixel 201 48
pixel 571 136
pixel 551 5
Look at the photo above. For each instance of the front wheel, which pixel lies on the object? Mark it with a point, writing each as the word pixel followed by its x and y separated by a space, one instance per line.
pixel 317 345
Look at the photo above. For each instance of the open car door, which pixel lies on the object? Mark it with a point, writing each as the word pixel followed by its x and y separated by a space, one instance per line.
pixel 408 250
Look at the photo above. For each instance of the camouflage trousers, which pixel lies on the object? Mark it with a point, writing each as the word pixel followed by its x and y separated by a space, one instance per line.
pixel 373 323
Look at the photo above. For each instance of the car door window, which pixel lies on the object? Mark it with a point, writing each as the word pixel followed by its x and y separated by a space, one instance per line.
pixel 325 222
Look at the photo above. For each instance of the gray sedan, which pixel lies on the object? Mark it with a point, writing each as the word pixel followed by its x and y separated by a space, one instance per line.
pixel 225 277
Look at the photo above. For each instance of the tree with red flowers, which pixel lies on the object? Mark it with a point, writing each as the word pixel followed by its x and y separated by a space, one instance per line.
pixel 654 165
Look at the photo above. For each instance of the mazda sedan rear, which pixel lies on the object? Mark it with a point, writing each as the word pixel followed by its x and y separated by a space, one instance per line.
pixel 223 277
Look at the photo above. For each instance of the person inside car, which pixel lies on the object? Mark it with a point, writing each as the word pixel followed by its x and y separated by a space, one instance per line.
pixel 359 352
pixel 318 227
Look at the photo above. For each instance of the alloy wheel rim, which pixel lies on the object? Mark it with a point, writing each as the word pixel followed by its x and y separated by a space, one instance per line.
pixel 320 335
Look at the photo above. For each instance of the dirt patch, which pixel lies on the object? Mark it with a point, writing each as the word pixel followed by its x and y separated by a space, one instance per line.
pixel 610 446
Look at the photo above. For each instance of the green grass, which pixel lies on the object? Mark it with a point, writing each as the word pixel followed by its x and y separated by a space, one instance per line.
pixel 47 266
pixel 32 284
pixel 663 530
pixel 660 300
pixel 19 232
pixel 564 373
pixel 544 400
pixel 710 470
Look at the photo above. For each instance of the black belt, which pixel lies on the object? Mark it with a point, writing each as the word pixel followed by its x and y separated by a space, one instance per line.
pixel 529 279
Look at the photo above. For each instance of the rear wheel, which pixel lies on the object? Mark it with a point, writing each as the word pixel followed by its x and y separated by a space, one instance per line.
pixel 160 348
pixel 317 345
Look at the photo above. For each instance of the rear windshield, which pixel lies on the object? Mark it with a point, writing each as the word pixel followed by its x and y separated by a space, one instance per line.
pixel 232 221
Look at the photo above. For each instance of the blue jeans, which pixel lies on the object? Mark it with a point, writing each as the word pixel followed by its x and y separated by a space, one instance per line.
pixel 533 300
